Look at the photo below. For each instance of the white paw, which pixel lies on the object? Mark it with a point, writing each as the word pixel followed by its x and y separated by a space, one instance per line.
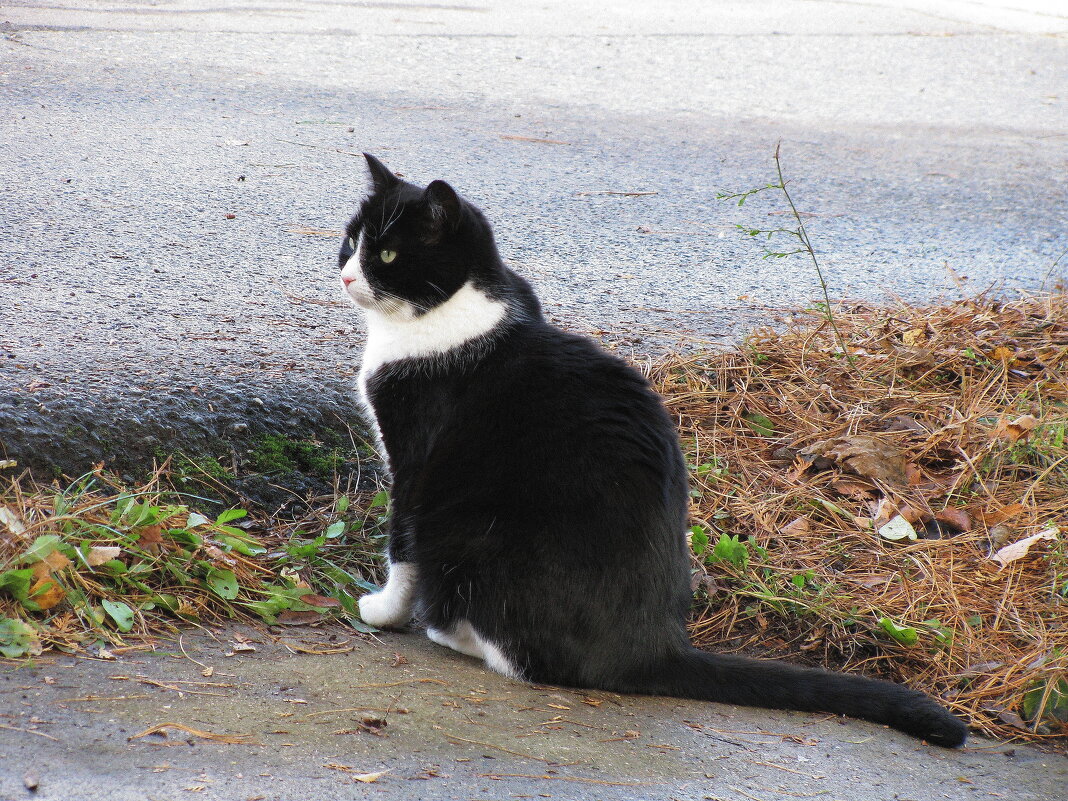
pixel 381 610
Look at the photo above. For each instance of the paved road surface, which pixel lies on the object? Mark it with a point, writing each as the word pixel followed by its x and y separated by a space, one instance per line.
pixel 451 731
pixel 173 174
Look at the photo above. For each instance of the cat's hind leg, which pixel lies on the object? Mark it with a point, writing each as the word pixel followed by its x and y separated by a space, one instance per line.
pixel 393 605
pixel 462 637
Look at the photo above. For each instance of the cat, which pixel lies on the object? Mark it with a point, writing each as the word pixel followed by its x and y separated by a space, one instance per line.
pixel 539 489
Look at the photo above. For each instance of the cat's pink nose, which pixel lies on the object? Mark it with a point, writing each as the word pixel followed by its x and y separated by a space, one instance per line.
pixel 346 281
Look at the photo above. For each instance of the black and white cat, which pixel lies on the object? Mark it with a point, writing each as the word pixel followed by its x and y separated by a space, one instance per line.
pixel 539 491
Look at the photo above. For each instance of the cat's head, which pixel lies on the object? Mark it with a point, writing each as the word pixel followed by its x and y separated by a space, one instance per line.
pixel 409 249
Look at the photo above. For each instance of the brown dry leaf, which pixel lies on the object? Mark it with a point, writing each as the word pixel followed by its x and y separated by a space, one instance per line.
pixel 1020 548
pixel 99 554
pixel 151 538
pixel 1002 354
pixel 55 561
pixel 912 514
pixel 1018 428
pixel 865 456
pixel 852 489
pixel 957 518
pixel 46 592
pixel 914 337
pixel 229 739
pixel 996 516
pixel 369 778
pixel 913 474
pixel 883 511
pixel 320 600
pixel 798 527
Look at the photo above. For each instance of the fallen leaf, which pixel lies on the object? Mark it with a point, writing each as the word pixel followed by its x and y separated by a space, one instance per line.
pixel 1020 548
pixel 997 516
pixel 1002 354
pixel 865 456
pixel 898 529
pixel 1018 429
pixel 11 520
pixel 150 538
pixel 883 511
pixel 913 474
pixel 320 600
pixel 369 778
pixel 46 592
pixel 852 489
pixel 914 337
pixel 798 527
pixel 99 554
pixel 54 561
pixel 912 514
pixel 957 518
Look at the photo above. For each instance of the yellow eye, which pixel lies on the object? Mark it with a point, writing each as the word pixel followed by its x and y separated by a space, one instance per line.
pixel 352 243
pixel 387 256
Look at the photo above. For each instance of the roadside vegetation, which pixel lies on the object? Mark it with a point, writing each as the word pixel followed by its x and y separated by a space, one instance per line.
pixel 873 489
pixel 902 516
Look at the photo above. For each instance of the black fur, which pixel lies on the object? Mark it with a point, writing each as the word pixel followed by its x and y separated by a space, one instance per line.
pixel 539 488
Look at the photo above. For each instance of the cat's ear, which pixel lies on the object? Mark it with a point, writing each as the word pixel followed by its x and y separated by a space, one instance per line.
pixel 443 203
pixel 381 176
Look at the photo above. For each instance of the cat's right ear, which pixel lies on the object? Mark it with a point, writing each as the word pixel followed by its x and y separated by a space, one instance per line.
pixel 381 176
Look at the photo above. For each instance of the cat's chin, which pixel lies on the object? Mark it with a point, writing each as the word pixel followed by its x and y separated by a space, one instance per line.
pixel 362 299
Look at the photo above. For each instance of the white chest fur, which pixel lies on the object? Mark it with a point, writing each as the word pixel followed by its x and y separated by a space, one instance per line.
pixel 467 315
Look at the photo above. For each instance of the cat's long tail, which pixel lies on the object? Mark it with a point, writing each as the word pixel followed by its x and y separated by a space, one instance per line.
pixel 777 685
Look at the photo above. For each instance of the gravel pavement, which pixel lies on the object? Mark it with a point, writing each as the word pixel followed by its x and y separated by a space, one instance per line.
pixel 174 176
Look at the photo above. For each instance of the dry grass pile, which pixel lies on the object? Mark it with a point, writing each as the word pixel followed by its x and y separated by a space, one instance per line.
pixel 903 516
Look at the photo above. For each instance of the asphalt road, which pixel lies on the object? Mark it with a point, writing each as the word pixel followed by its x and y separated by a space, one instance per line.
pixel 173 176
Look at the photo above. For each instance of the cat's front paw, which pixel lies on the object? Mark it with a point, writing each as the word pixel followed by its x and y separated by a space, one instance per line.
pixel 383 610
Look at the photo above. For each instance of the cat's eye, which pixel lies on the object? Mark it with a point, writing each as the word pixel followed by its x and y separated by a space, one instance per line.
pixel 387 256
pixel 351 243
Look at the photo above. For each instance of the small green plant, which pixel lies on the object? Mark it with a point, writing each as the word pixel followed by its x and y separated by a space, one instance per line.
pixel 797 234
pixel 117 559
pixel 1046 702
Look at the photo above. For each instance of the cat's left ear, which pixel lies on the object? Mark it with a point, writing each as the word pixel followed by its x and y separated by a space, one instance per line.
pixel 443 203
